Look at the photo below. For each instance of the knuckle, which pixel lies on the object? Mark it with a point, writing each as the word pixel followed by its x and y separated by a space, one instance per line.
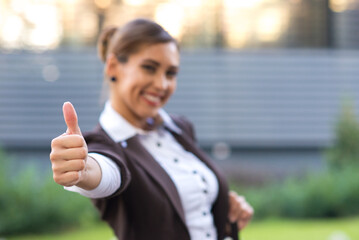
pixel 54 168
pixel 54 142
pixel 249 208
pixel 54 155
pixel 241 199
pixel 233 194
pixel 78 140
pixel 75 176
pixel 57 179
pixel 232 199
pixel 83 153
pixel 82 165
pixel 51 156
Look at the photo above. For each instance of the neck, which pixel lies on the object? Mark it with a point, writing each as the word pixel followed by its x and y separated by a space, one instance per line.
pixel 144 123
pixel 129 115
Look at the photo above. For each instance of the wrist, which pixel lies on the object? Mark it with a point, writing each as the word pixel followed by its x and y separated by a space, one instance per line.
pixel 90 176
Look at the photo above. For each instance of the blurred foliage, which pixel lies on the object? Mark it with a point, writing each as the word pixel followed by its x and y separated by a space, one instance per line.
pixel 333 192
pixel 345 150
pixel 323 195
pixel 31 202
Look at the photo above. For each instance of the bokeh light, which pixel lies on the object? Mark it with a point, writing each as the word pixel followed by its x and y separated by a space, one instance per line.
pixel 170 16
pixel 19 6
pixel 190 3
pixel 270 24
pixel 47 29
pixel 50 73
pixel 134 2
pixel 221 151
pixel 103 3
pixel 339 5
pixel 11 30
pixel 48 24
pixel 88 25
pixel 239 33
pixel 243 3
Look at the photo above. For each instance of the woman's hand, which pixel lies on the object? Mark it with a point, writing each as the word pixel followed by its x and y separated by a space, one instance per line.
pixel 240 211
pixel 69 151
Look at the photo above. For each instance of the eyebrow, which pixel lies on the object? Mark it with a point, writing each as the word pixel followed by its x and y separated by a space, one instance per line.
pixel 152 61
pixel 157 63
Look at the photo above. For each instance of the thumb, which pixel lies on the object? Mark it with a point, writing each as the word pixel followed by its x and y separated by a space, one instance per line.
pixel 70 117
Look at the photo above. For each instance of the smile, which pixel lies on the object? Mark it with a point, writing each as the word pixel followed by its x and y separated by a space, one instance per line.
pixel 152 99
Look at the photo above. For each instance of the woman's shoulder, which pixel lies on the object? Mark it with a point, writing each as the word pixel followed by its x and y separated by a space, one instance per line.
pixel 99 139
pixel 184 124
pixel 96 134
pixel 179 118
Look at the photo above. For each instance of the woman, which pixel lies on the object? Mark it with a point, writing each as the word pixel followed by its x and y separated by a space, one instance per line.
pixel 140 166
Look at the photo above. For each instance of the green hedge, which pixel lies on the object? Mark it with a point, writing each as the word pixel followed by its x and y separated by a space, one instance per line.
pixel 31 202
pixel 345 149
pixel 323 195
pixel 331 193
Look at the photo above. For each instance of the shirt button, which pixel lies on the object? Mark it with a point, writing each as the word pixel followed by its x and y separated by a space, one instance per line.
pixel 194 171
pixel 204 213
pixel 208 235
pixel 204 179
pixel 175 160
pixel 205 191
pixel 158 144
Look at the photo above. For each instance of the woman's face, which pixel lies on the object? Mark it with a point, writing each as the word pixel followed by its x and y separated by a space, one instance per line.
pixel 145 82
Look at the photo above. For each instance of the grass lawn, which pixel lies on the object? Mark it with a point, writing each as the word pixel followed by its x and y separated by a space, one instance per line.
pixel 97 232
pixel 280 229
pixel 303 230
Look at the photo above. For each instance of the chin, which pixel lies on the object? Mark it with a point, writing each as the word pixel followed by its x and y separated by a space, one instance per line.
pixel 147 113
pixel 153 113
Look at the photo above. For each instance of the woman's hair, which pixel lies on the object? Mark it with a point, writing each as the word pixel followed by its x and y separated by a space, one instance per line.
pixel 127 40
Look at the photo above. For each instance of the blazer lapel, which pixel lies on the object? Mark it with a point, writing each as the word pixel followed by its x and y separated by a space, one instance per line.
pixel 190 146
pixel 138 153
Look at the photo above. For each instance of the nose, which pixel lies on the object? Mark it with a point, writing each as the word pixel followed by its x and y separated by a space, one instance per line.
pixel 161 82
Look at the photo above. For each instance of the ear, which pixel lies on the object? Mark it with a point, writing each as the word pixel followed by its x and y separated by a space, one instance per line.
pixel 112 66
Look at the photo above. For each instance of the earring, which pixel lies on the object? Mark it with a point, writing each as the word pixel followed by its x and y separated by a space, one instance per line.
pixel 113 79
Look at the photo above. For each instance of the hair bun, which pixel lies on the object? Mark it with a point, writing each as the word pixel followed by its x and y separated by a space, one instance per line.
pixel 104 42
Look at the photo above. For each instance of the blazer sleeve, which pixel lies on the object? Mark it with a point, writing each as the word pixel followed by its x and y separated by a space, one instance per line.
pixel 99 142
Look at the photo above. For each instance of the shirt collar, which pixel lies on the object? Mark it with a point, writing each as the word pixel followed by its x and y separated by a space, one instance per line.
pixel 119 129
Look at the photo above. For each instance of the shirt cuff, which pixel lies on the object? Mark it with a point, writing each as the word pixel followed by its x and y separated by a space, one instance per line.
pixel 110 179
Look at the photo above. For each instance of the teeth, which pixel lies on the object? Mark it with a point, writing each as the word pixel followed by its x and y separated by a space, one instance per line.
pixel 152 98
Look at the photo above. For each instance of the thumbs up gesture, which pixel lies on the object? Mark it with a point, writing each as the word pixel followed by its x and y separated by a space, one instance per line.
pixel 69 151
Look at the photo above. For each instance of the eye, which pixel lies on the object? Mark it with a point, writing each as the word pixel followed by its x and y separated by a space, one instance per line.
pixel 149 68
pixel 171 73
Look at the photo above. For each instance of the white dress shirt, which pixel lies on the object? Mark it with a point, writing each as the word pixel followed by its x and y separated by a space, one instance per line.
pixel 196 183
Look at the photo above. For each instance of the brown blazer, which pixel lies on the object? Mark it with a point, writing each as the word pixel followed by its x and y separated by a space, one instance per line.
pixel 147 205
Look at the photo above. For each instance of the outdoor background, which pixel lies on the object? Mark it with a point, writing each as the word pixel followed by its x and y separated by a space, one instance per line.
pixel 272 87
